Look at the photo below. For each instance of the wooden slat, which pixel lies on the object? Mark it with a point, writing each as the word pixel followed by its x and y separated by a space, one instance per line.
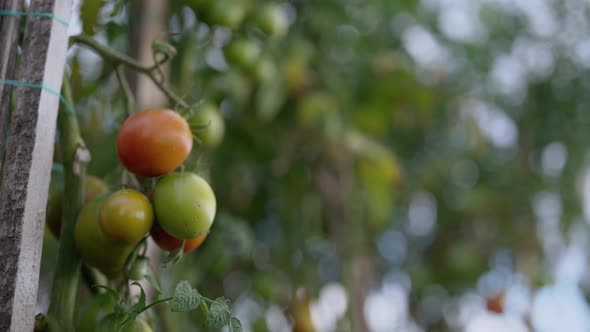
pixel 27 169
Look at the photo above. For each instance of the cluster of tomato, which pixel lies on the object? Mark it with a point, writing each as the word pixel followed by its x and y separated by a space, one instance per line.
pixel 180 208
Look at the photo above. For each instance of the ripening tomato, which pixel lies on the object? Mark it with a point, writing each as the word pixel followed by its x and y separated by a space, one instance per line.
pixel 272 19
pixel 94 186
pixel 208 115
pixel 126 216
pixel 153 143
pixel 169 243
pixel 185 205
pixel 244 53
pixel 94 247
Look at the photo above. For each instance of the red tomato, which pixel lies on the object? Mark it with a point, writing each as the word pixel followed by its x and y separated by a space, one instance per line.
pixel 153 143
pixel 170 243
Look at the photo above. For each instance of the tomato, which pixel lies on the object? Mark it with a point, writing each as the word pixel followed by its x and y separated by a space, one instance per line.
pixel 208 115
pixel 139 268
pixel 169 243
pixel 272 19
pixel 126 216
pixel 184 204
pixel 243 53
pixel 53 217
pixel 95 248
pixel 99 306
pixel 227 13
pixel 153 143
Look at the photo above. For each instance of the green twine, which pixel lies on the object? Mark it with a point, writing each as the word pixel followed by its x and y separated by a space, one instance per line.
pixel 48 15
pixel 43 87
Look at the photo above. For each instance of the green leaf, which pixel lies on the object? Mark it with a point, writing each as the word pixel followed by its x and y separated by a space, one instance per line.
pixel 140 305
pixel 116 296
pixel 89 12
pixel 219 313
pixel 235 325
pixel 154 283
pixel 185 297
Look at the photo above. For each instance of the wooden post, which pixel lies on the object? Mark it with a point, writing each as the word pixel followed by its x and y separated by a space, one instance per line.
pixel 9 31
pixel 27 169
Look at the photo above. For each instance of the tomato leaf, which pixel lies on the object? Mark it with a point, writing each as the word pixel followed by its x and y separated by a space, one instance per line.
pixel 154 283
pixel 138 307
pixel 185 297
pixel 219 313
pixel 116 296
pixel 235 325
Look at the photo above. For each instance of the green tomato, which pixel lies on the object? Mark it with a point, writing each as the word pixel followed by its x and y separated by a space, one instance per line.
pixel 208 115
pixel 92 313
pixel 272 19
pixel 185 205
pixel 126 216
pixel 94 247
pixel 227 13
pixel 94 186
pixel 243 53
pixel 139 268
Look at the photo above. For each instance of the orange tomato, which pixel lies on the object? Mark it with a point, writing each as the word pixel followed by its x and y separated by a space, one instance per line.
pixel 153 143
pixel 170 243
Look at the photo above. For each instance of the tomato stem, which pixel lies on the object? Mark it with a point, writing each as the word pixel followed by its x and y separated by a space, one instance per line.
pixel 67 272
pixel 122 59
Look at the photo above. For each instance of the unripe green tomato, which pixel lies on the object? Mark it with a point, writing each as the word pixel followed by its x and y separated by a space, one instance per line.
pixel 272 19
pixel 92 313
pixel 126 216
pixel 94 186
pixel 265 69
pixel 185 205
pixel 227 13
pixel 94 247
pixel 243 53
pixel 139 268
pixel 208 115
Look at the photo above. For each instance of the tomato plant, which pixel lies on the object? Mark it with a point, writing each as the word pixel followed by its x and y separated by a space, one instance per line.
pixel 185 205
pixel 152 143
pixel 126 216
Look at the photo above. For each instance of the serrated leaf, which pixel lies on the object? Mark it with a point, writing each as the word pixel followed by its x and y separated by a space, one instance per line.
pixel 185 297
pixel 219 313
pixel 235 325
pixel 154 283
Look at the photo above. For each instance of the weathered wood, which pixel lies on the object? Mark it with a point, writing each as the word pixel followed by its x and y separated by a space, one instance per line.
pixel 26 172
pixel 9 31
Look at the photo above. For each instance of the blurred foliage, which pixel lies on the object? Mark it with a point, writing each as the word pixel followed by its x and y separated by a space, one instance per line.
pixel 336 135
